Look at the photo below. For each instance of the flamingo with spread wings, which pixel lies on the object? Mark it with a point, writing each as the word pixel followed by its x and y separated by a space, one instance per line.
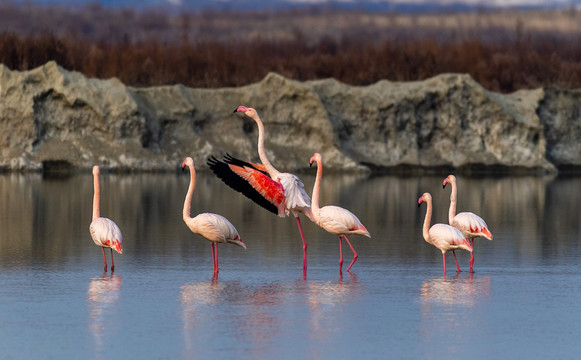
pixel 279 193
pixel 442 236
pixel 104 231
pixel 335 219
pixel 215 228
pixel 470 224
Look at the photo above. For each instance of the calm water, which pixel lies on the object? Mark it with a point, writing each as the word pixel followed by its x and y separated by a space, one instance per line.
pixel 162 302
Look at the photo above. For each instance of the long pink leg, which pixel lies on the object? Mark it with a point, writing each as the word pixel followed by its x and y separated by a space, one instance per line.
pixel 457 266
pixel 472 256
pixel 304 245
pixel 444 257
pixel 340 254
pixel 355 256
pixel 104 259
pixel 112 262
pixel 213 256
pixel 471 263
pixel 217 268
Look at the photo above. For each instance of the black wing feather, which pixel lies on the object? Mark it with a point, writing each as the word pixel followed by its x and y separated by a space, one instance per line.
pixel 229 159
pixel 230 178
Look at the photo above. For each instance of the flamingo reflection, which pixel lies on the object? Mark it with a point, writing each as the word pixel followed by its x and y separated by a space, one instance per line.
pixel 194 297
pixel 325 300
pixel 448 305
pixel 199 293
pixel 102 294
pixel 455 291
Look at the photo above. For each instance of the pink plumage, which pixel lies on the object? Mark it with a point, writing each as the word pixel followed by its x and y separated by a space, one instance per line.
pixel 442 236
pixel 215 228
pixel 335 219
pixel 279 193
pixel 104 232
pixel 339 221
pixel 295 197
pixel 470 224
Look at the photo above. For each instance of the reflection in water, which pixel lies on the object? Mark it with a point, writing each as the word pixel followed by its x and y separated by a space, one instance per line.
pixel 148 206
pixel 103 293
pixel 256 326
pixel 261 324
pixel 454 291
pixel 447 308
pixel 194 298
pixel 325 300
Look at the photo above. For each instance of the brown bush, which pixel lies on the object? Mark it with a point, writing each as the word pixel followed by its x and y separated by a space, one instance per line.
pixel 506 62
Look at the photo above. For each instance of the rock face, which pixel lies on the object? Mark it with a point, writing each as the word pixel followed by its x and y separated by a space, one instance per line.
pixel 50 117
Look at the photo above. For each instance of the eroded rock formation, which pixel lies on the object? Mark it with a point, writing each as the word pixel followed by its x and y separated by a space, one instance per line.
pixel 53 117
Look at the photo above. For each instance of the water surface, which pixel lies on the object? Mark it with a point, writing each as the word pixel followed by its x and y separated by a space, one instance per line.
pixel 163 302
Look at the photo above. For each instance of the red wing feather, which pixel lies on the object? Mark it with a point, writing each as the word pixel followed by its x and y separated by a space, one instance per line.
pixel 259 167
pixel 224 171
pixel 268 188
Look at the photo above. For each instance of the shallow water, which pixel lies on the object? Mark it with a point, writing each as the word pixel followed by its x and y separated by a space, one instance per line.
pixel 163 302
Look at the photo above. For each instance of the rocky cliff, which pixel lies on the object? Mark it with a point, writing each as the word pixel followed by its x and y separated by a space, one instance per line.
pixel 51 117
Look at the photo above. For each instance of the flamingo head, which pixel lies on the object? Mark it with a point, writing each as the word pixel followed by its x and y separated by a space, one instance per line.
pixel 250 112
pixel 315 158
pixel 238 241
pixel 449 179
pixel 187 162
pixel 95 170
pixel 425 197
pixel 117 246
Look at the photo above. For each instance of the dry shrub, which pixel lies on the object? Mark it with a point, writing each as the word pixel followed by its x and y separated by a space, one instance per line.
pixel 506 64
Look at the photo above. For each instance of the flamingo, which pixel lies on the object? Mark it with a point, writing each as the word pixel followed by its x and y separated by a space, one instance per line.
pixel 335 219
pixel 442 236
pixel 104 231
pixel 470 224
pixel 279 193
pixel 215 228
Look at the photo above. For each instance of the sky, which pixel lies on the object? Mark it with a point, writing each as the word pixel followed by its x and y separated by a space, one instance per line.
pixel 268 2
pixel 255 4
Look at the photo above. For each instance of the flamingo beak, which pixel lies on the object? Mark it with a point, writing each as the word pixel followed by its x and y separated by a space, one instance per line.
pixel 444 183
pixel 241 109
pixel 239 242
pixel 420 200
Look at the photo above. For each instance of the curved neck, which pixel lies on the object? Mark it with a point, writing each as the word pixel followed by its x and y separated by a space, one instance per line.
pixel 427 220
pixel 316 189
pixel 188 201
pixel 261 153
pixel 96 194
pixel 452 210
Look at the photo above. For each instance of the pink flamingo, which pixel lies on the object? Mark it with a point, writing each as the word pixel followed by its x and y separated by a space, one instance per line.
pixel 280 193
pixel 470 224
pixel 335 219
pixel 215 228
pixel 442 236
pixel 104 231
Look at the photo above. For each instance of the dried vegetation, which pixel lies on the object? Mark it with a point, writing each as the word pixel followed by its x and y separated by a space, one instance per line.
pixel 503 51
